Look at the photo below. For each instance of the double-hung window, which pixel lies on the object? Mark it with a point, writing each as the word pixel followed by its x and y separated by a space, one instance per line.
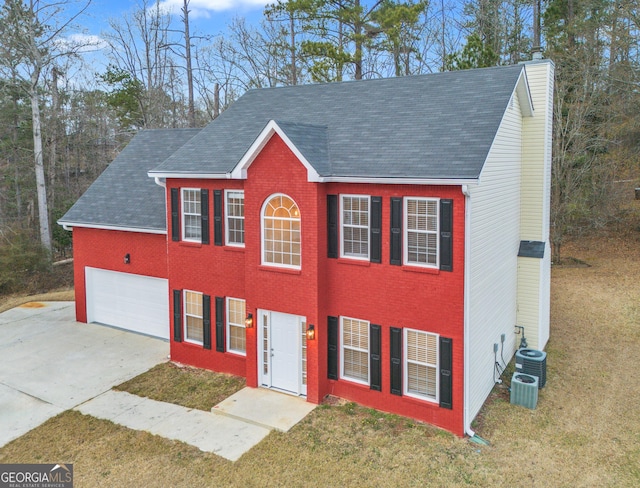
pixel 354 211
pixel 355 349
pixel 236 337
pixel 421 364
pixel 191 215
pixel 421 231
pixel 193 317
pixel 234 213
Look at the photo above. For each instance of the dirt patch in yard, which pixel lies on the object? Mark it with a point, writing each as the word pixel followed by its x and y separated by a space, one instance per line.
pixel 8 302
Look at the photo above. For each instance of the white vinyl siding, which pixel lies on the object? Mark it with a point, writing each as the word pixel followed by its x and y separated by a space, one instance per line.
pixel 421 227
pixel 281 232
pixel 354 357
pixel 236 332
pixel 193 321
pixel 421 364
pixel 354 219
pixel 191 215
pixel 534 277
pixel 234 217
pixel 493 215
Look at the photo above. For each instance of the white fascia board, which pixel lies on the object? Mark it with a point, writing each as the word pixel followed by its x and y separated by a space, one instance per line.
pixel 71 225
pixel 240 170
pixel 524 95
pixel 399 181
pixel 187 176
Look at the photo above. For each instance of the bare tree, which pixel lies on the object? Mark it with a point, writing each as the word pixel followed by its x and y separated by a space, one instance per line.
pixel 32 40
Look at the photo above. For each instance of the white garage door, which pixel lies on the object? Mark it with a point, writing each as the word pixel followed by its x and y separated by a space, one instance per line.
pixel 129 301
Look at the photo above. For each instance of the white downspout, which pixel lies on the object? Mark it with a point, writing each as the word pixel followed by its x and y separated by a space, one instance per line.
pixel 160 181
pixel 467 286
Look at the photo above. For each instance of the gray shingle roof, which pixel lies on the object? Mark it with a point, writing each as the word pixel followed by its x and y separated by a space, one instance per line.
pixel 124 195
pixel 430 126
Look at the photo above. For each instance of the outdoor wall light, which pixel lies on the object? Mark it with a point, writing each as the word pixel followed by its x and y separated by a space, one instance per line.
pixel 311 332
pixel 248 322
pixel 127 258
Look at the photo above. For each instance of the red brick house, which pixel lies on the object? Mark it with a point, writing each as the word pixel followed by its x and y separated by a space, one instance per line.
pixel 372 240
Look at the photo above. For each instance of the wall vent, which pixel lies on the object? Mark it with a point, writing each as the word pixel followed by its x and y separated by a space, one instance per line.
pixel 524 390
pixel 533 362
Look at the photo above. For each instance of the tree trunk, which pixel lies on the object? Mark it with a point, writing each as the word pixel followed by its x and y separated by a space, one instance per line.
pixel 41 187
pixel 187 53
pixel 55 135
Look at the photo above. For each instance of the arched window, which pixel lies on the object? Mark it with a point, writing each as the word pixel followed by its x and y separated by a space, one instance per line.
pixel 281 232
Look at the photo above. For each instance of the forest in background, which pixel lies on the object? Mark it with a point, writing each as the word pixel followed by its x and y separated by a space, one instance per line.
pixel 62 123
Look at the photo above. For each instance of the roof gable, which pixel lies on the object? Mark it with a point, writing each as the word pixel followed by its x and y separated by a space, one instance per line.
pixel 307 142
pixel 429 127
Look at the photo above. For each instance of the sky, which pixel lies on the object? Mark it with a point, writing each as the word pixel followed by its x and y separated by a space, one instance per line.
pixel 206 16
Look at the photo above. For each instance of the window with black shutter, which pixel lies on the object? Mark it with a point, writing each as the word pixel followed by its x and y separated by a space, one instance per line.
pixel 446 378
pixel 375 231
pixel 217 217
pixel 206 322
pixel 175 214
pixel 396 231
pixel 332 226
pixel 220 344
pixel 375 365
pixel 396 360
pixel 177 315
pixel 204 215
pixel 332 349
pixel 446 235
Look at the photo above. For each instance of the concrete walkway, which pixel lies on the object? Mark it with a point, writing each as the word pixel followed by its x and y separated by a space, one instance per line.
pixel 234 426
pixel 50 363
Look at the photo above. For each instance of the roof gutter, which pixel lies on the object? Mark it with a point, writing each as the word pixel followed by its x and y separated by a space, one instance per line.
pixel 70 225
pixel 198 176
pixel 327 179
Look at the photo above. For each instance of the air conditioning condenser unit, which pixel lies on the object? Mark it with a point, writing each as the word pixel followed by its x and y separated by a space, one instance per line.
pixel 524 390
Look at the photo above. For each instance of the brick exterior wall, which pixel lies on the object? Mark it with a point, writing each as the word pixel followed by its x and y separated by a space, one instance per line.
pixel 105 249
pixel 391 296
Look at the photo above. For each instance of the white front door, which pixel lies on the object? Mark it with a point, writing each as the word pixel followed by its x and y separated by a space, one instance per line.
pixel 282 351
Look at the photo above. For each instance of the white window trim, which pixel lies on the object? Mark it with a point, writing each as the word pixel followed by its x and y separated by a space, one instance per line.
pixel 405 232
pixel 342 375
pixel 405 367
pixel 226 218
pixel 342 255
pixel 185 315
pixel 228 327
pixel 263 262
pixel 182 214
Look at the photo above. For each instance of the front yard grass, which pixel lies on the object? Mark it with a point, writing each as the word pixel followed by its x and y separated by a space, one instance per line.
pixel 184 385
pixel 585 431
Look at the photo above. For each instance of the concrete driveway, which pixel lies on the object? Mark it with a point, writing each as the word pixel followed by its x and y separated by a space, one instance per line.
pixel 50 363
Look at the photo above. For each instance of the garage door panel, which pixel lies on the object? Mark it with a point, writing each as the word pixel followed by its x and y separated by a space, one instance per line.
pixel 129 301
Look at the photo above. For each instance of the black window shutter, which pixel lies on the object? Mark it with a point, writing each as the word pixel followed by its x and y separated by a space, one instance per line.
pixel 220 345
pixel 204 215
pixel 206 322
pixel 332 226
pixel 445 373
pixel 217 217
pixel 175 214
pixel 332 336
pixel 374 357
pixel 396 361
pixel 177 315
pixel 446 235
pixel 376 227
pixel 396 231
